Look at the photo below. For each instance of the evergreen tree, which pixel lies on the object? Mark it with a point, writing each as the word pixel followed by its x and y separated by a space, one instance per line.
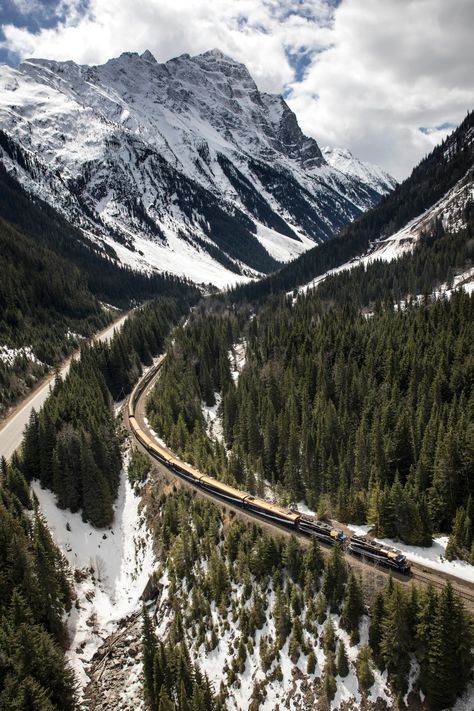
pixel 449 655
pixel 149 654
pixel 365 675
pixel 335 578
pixel 342 663
pixel 353 608
pixel 396 641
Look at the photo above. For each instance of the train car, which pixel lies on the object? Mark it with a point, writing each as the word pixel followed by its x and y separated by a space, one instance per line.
pixel 271 511
pixel 320 529
pixel 185 470
pixel 160 453
pixel 379 554
pixel 141 385
pixel 224 491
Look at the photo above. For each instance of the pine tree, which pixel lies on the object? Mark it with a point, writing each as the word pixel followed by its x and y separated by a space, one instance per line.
pixel 425 630
pixel 449 655
pixel 396 641
pixel 97 501
pixel 165 703
pixel 149 654
pixel 28 695
pixel 335 578
pixel 292 558
pixel 329 674
pixel 375 629
pixel 342 662
pixel 329 638
pixel 353 608
pixel 365 675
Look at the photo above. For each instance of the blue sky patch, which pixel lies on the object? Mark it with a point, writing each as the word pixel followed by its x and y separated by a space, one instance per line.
pixel 432 129
pixel 300 61
pixel 33 15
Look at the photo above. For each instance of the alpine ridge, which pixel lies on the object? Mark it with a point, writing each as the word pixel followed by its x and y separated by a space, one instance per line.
pixel 183 167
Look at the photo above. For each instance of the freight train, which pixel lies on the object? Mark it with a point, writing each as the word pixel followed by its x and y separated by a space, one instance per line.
pixel 357 545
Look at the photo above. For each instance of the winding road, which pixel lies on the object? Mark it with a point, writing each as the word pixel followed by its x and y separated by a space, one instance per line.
pixel 12 428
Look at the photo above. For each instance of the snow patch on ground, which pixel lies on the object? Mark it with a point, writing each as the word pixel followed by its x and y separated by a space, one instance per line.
pixel 237 357
pixel 113 566
pixel 10 355
pixel 359 530
pixel 302 507
pixel 280 247
pixel 464 280
pixel 284 693
pixel 213 420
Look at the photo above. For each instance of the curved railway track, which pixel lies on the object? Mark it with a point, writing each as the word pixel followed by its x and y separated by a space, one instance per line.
pixel 136 409
pixel 436 583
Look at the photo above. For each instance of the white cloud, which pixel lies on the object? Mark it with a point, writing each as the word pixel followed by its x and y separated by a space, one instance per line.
pixel 394 66
pixel 380 69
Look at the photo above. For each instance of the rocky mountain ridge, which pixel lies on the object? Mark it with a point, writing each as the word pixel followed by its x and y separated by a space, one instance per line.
pixel 184 166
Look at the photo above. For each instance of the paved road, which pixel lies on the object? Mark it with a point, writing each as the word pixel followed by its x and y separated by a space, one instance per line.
pixel 11 431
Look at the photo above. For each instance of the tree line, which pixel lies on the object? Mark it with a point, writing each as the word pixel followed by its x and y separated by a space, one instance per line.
pixel 429 181
pixel 53 282
pixel 35 594
pixel 369 420
pixel 73 445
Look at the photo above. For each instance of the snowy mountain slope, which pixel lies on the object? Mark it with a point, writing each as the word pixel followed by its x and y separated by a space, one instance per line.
pixel 450 209
pixel 343 160
pixel 185 165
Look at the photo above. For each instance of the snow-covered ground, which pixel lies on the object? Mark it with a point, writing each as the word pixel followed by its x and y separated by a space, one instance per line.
pixel 114 565
pixel 213 421
pixel 280 247
pixel 237 358
pixel 10 355
pixel 177 257
pixel 433 557
pixel 286 692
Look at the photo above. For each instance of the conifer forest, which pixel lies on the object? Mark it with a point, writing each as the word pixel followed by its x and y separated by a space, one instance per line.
pixel 236 357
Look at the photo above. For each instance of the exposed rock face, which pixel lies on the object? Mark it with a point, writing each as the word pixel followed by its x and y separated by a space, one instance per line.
pixel 116 672
pixel 178 164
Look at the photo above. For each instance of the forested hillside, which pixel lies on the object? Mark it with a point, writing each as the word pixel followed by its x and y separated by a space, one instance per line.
pixel 276 623
pixel 73 445
pixel 35 593
pixel 429 181
pixel 53 279
pixel 365 414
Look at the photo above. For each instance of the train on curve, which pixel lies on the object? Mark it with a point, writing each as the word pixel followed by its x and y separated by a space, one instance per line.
pixel 357 545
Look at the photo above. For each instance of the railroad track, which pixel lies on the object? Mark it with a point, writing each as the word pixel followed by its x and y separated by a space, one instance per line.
pixel 434 578
pixel 431 580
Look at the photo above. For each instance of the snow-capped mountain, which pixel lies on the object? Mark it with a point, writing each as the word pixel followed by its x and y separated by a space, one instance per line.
pixel 368 173
pixel 184 166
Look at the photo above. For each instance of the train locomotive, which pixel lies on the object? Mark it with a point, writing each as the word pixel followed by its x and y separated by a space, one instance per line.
pixel 356 545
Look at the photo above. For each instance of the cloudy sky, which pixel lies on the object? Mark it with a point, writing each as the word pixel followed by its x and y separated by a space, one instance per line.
pixel 386 78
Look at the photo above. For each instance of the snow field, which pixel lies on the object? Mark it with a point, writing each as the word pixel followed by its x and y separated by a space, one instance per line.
pixel 113 565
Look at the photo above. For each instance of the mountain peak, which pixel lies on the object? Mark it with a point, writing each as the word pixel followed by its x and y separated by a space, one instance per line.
pixel 218 54
pixel 161 159
pixel 148 56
